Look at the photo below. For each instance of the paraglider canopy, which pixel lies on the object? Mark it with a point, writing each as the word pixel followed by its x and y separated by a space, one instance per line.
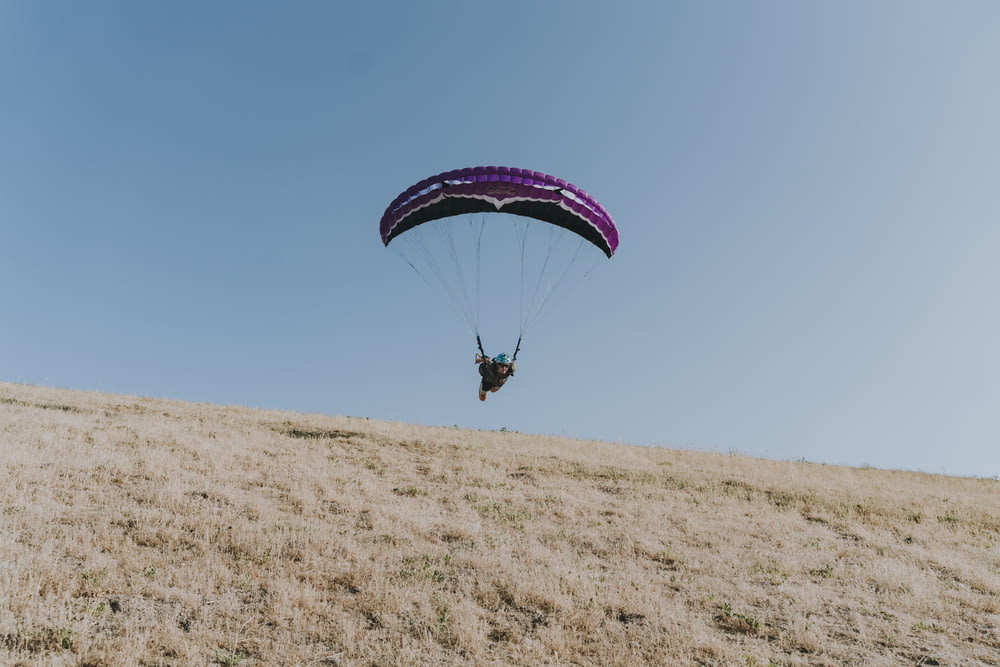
pixel 542 232
pixel 502 189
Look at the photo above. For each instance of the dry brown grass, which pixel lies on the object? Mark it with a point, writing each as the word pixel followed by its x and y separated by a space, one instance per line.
pixel 149 532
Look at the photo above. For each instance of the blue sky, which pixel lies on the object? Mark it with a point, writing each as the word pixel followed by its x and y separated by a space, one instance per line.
pixel 806 193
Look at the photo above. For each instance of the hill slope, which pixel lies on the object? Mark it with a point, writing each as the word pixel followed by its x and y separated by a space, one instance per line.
pixel 151 532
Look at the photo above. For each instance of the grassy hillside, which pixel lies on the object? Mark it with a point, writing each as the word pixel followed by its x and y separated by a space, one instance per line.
pixel 151 532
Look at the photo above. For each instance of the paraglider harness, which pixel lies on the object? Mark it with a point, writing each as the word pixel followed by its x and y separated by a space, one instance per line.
pixel 490 379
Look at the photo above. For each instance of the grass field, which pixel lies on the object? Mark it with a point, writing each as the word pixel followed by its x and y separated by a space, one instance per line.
pixel 149 532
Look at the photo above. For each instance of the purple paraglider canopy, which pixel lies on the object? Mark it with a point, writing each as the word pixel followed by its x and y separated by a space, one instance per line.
pixel 502 189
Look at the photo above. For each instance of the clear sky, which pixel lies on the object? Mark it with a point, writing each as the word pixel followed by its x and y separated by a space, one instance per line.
pixel 808 196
